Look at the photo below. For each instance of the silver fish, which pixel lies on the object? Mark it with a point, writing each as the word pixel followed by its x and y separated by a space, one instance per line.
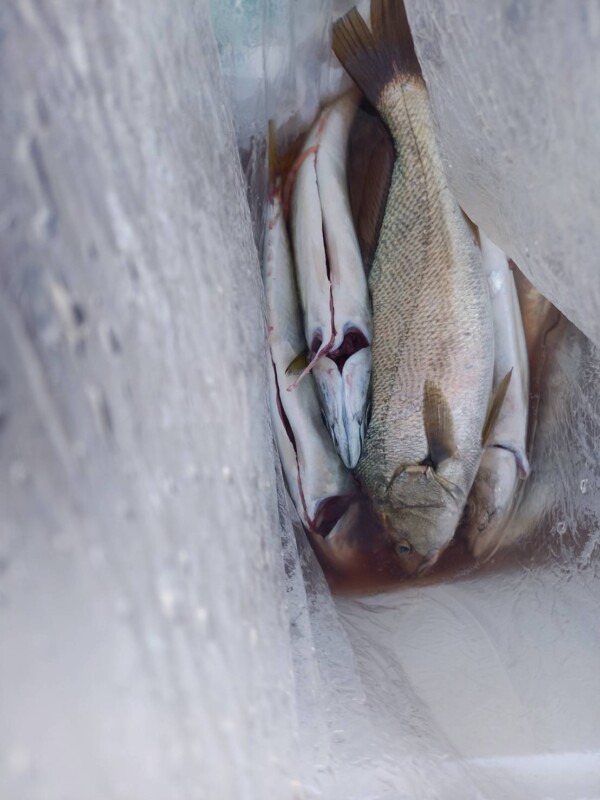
pixel 331 279
pixel 319 484
pixel 433 347
pixel 504 461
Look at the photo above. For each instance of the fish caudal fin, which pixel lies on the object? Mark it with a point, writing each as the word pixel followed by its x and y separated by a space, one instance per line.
pixel 374 59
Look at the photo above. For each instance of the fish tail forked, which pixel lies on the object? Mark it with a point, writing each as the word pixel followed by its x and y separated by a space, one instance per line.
pixel 373 58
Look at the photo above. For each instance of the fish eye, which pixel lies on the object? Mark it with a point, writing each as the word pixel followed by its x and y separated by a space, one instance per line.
pixel 403 548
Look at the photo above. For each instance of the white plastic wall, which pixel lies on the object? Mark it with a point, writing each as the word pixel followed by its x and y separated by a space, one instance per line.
pixel 162 633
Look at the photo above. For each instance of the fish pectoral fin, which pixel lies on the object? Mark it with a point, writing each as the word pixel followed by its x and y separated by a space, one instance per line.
pixel 411 469
pixel 298 364
pixel 495 407
pixel 439 427
pixel 451 488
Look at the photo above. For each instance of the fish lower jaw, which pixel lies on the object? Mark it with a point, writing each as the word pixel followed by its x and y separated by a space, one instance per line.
pixel 347 446
pixel 427 541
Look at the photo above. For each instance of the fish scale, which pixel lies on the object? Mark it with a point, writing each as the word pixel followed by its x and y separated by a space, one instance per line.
pixel 431 314
pixel 429 298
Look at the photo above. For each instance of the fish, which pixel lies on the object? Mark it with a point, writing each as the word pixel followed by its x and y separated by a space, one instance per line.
pixel 331 280
pixel 433 344
pixel 320 486
pixel 540 318
pixel 504 464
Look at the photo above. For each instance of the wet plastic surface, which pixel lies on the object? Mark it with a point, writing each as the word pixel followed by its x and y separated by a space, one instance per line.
pixel 497 669
pixel 163 632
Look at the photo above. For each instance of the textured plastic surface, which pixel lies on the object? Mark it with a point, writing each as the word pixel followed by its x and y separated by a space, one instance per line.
pixel 163 635
pixel 496 671
pixel 514 90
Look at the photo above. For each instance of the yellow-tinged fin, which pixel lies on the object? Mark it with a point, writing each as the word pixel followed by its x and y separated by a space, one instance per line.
pixel 439 428
pixel 374 59
pixel 495 408
pixel 298 364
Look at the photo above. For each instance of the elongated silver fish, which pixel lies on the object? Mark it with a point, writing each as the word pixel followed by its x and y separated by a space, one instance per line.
pixel 331 279
pixel 433 349
pixel 504 461
pixel 319 484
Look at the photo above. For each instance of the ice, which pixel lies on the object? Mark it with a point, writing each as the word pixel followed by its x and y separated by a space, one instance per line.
pixel 166 631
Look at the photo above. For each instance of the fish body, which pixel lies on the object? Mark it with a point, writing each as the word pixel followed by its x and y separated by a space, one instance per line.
pixel 539 317
pixel 331 279
pixel 319 484
pixel 433 348
pixel 504 461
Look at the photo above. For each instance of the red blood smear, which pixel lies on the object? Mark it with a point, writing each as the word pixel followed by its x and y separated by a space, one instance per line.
pixel 354 340
pixel 315 346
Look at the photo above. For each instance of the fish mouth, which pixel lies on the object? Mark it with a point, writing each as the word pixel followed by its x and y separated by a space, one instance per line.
pixel 343 378
pixel 427 565
pixel 353 341
pixel 329 513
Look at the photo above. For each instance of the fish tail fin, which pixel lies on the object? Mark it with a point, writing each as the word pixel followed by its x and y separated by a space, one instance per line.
pixel 374 58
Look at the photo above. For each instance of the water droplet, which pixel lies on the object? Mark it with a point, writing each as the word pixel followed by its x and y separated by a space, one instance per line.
pixel 167 602
pixel 561 528
pixel 584 486
pixel 192 472
pixel 201 615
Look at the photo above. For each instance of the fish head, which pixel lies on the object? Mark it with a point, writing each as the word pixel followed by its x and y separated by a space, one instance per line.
pixel 357 555
pixel 343 387
pixel 421 511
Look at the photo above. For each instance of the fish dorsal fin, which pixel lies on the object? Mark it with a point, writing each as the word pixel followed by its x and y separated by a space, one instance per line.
pixel 495 408
pixel 439 428
pixel 371 158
